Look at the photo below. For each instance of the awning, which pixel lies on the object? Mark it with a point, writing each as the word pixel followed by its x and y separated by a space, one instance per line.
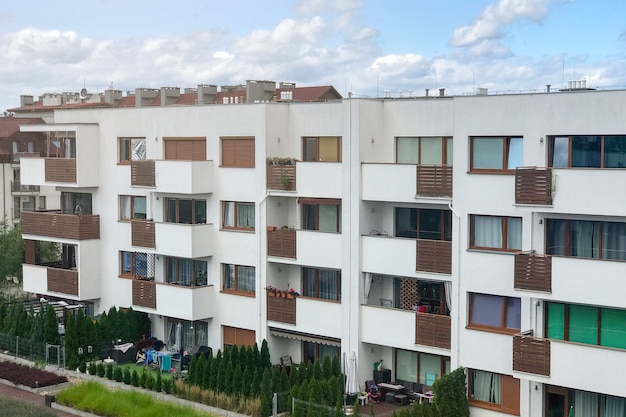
pixel 305 337
pixel 308 200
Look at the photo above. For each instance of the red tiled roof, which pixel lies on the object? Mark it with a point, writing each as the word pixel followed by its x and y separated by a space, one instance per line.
pixel 11 125
pixel 320 93
pixel 38 106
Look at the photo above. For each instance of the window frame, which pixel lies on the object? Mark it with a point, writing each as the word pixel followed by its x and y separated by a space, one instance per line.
pixel 125 145
pixel 196 281
pixel 509 393
pixel 506 149
pixel 446 142
pixel 316 212
pixel 194 214
pixel 567 239
pixel 505 233
pixel 316 158
pixel 131 207
pixel 317 349
pixel 415 214
pixel 240 145
pixel 316 282
pixel 570 148
pixel 235 289
pixel 236 225
pixel 133 263
pixel 502 328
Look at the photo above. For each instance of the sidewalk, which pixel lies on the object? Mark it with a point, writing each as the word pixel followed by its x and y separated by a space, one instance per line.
pixel 29 397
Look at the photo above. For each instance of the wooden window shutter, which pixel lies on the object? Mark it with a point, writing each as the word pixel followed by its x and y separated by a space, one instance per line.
pixel 510 394
pixel 228 152
pixel 185 149
pixel 238 152
pixel 239 337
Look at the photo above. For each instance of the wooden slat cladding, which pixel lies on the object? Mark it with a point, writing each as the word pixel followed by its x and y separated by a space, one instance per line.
pixel 143 233
pixel 60 170
pixel 433 330
pixel 142 173
pixel 63 280
pixel 144 293
pixel 237 152
pixel 533 186
pixel 533 272
pixel 185 149
pixel 281 177
pixel 55 224
pixel 281 309
pixel 282 243
pixel 531 355
pixel 237 336
pixel 434 180
pixel 434 256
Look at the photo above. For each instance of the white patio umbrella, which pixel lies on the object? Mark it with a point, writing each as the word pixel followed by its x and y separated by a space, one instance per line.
pixel 352 383
pixel 179 331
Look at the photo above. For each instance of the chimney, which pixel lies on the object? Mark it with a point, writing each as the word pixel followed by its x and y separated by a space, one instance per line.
pixel 145 96
pixel 259 90
pixel 169 95
pixel 113 96
pixel 548 88
pixel 206 93
pixel 26 100
pixel 442 92
pixel 427 90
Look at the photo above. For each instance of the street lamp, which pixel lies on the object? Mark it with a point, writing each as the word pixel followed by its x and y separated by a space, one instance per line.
pixel 15 280
pixel 62 334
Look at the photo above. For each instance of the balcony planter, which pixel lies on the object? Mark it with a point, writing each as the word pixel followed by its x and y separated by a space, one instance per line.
pixel 271 228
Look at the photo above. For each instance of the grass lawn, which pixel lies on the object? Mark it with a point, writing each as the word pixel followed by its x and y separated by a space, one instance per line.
pixel 15 408
pixel 140 368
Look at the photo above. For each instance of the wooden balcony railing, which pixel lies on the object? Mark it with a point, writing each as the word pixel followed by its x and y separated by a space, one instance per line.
pixel 533 186
pixel 144 293
pixel 531 354
pixel 434 180
pixel 60 170
pixel 434 256
pixel 281 309
pixel 142 173
pixel 63 280
pixel 55 224
pixel 18 187
pixel 433 330
pixel 533 272
pixel 282 243
pixel 143 233
pixel 281 177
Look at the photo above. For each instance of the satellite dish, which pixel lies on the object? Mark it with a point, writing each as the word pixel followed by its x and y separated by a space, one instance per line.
pixel 83 92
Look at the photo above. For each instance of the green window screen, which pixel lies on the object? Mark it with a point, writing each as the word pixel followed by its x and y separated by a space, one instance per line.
pixel 556 319
pixel 613 328
pixel 583 324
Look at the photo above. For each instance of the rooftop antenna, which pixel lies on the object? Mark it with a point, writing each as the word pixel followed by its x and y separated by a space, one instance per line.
pixel 83 92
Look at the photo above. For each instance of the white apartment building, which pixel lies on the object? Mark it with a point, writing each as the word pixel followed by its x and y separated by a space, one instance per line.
pixel 403 223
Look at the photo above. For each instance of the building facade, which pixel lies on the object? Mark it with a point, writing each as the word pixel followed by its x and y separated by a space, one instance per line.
pixel 429 232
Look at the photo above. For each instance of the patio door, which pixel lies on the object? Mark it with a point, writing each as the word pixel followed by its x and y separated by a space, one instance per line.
pixel 556 402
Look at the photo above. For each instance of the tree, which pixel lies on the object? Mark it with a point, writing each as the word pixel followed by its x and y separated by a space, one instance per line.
pixel 266 393
pixel 51 327
pixel 265 355
pixel 450 394
pixel 11 250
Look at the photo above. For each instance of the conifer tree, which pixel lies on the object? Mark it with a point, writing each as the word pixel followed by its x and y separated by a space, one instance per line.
pixel 327 371
pixel 255 386
pixel 266 393
pixel 51 327
pixel 265 355
pixel 335 365
pixel 256 358
pixel 206 372
pixel 236 381
pixel 245 383
pixel 228 378
pixel 214 371
pixel 317 370
pixel 234 356
pixel 193 370
pixel 243 357
pixel 221 374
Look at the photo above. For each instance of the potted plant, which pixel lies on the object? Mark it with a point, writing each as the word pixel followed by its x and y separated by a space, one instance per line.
pixel 286 181
pixel 291 293
pixel 271 291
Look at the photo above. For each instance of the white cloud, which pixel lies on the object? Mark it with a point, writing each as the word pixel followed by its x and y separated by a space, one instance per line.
pixel 489 24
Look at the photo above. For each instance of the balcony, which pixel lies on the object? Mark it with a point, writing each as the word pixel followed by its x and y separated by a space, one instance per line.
pixel 173 176
pixel 143 233
pixel 281 309
pixel 183 240
pixel 64 281
pixel 319 179
pixel 388 255
pixel 434 181
pixel 434 256
pixel 18 187
pixel 389 182
pixel 65 226
pixel 533 186
pixel 531 354
pixel 281 243
pixel 60 170
pixel 388 327
pixel 281 177
pixel 433 330
pixel 314 247
pixel 316 316
pixel 533 272
pixel 143 173
pixel 144 293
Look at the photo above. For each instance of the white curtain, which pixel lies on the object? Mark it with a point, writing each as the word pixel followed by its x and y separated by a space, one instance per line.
pixel 138 149
pixel 486 386
pixel 229 214
pixel 245 215
pixel 406 150
pixel 245 278
pixel 514 233
pixel 447 286
pixel 171 333
pixel 613 407
pixel 614 241
pixel 185 271
pixel 488 231
pixel 125 207
pixel 202 338
pixel 585 404
pixel 585 236
pixel 327 285
pixel 367 287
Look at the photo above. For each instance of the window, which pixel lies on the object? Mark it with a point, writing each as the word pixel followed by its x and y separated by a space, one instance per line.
pixel 324 284
pixel 239 278
pixel 187 211
pixel 590 325
pixel 76 203
pixel 423 368
pixel 132 207
pixel 185 148
pixel 321 149
pixel 493 391
pixel 137 265
pixel 187 272
pixel 424 151
pixel 192 333
pixel 42 202
pixel 493 312
pixel 491 154
pixel 586 239
pixel 587 151
pixel 237 336
pixel 314 352
pixel 237 215
pixel 494 232
pixel 237 152
pixel 132 149
pixel 423 223
pixel 322 214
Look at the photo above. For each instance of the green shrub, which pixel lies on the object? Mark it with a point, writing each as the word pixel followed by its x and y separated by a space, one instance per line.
pixel 109 371
pixel 167 385
pixel 126 376
pixel 82 367
pixel 149 384
pixel 142 378
pixel 93 368
pixel 117 374
pixel 158 383
pixel 134 378
pixel 100 370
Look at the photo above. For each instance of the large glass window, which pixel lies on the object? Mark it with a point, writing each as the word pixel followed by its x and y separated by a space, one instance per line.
pixel 187 272
pixel 586 239
pixel 320 216
pixel 237 215
pixel 423 368
pixel 494 312
pixel 76 203
pixel 591 325
pixel 132 207
pixel 324 284
pixel 187 211
pixel 321 149
pixel 587 151
pixel 424 150
pixel 131 149
pixel 239 278
pixel 493 391
pixel 494 232
pixel 138 265
pixel 313 352
pixel 496 153
pixel 423 223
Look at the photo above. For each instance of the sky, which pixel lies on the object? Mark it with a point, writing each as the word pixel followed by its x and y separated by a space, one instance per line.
pixel 363 47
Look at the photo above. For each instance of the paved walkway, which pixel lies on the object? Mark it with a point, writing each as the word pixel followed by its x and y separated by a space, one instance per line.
pixel 29 397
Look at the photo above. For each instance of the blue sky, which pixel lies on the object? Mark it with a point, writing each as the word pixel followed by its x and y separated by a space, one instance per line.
pixel 363 46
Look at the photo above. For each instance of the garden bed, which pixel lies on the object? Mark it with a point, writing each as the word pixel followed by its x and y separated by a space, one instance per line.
pixel 31 379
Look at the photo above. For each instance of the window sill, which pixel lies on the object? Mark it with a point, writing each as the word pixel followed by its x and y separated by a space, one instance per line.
pixel 495 251
pixel 240 293
pixel 491 172
pixel 491 406
pixel 235 229
pixel 507 332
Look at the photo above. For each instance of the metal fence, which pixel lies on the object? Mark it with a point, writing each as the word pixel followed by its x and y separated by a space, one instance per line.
pixel 24 348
